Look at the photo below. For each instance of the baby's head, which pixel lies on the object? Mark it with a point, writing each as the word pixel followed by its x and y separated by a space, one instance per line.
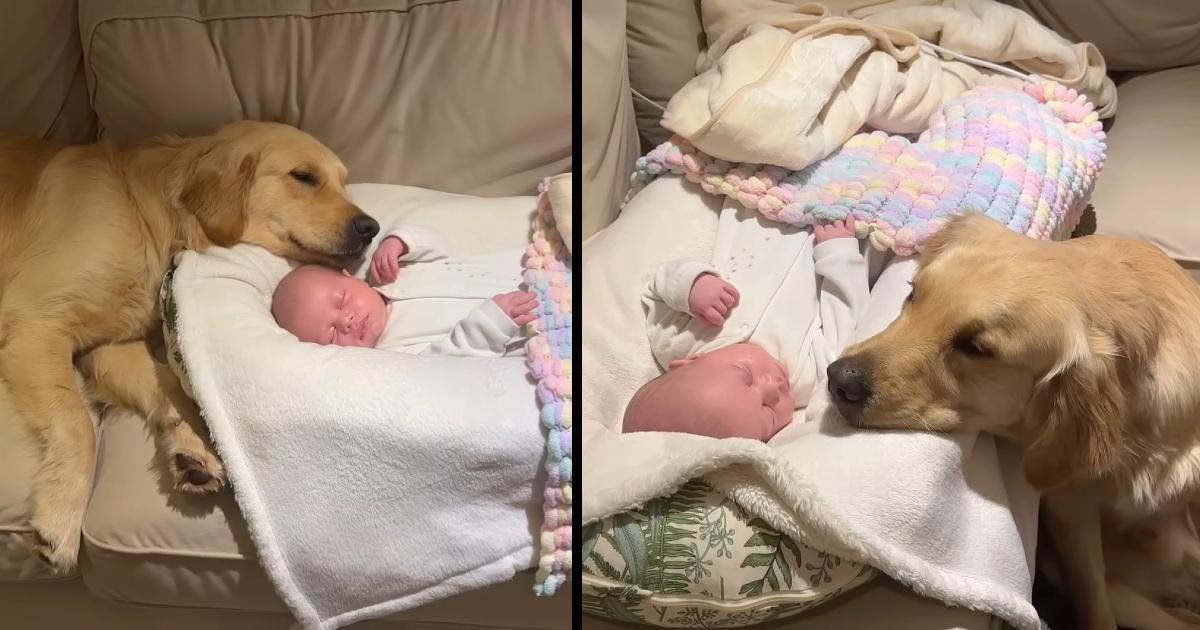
pixel 321 305
pixel 735 391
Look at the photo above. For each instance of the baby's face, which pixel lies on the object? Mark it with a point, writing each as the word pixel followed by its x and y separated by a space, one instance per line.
pixel 323 306
pixel 735 391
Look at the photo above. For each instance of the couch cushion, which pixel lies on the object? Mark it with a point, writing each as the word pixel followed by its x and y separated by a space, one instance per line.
pixel 610 142
pixel 147 545
pixel 665 39
pixel 17 465
pixel 1143 190
pixel 45 94
pixel 455 95
pixel 1146 35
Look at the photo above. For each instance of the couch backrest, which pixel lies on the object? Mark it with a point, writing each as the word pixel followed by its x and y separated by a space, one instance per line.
pixel 42 88
pixel 1133 36
pixel 665 38
pixel 466 96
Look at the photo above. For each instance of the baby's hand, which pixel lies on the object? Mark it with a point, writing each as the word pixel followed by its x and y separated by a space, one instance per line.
pixel 385 264
pixel 518 305
pixel 711 298
pixel 837 229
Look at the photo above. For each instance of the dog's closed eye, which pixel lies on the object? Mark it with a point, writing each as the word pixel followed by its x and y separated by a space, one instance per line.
pixel 305 177
pixel 968 344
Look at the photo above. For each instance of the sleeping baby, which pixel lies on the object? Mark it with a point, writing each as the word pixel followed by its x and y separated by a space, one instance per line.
pixel 745 340
pixel 441 306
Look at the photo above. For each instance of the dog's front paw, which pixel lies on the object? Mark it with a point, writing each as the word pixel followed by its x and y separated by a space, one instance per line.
pixel 194 466
pixel 59 550
pixel 197 475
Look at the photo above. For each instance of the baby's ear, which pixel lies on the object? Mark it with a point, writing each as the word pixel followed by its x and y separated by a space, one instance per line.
pixel 678 363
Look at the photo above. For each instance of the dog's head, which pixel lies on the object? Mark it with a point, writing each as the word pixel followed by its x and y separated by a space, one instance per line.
pixel 274 186
pixel 994 337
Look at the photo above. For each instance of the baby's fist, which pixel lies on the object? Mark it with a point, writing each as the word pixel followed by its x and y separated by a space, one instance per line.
pixel 518 305
pixel 385 264
pixel 711 299
pixel 837 229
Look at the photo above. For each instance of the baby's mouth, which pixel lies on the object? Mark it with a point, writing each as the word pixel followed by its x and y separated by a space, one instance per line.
pixel 362 327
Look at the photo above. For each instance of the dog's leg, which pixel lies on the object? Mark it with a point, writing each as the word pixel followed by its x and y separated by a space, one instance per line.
pixel 1073 522
pixel 126 375
pixel 35 362
pixel 1133 610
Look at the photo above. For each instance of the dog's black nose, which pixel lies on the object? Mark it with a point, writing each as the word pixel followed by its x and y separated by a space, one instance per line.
pixel 365 227
pixel 850 386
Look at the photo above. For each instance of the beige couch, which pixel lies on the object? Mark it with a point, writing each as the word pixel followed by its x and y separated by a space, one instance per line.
pixel 1153 51
pixel 467 96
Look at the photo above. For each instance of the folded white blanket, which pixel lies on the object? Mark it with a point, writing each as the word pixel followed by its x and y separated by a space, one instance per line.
pixel 786 82
pixel 371 481
pixel 949 516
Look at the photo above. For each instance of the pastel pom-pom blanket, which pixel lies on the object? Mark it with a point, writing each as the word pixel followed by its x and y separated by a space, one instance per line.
pixel 548 352
pixel 1027 158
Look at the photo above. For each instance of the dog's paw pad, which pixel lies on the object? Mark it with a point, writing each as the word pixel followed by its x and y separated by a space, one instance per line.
pixel 194 475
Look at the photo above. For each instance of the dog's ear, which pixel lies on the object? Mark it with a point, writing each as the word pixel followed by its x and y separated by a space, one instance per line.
pixel 1079 433
pixel 967 227
pixel 213 184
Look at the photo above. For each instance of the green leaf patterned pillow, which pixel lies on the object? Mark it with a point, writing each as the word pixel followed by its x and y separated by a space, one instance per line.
pixel 166 306
pixel 696 559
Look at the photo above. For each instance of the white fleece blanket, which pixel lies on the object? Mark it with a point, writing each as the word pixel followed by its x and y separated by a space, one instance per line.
pixel 787 82
pixel 371 481
pixel 951 516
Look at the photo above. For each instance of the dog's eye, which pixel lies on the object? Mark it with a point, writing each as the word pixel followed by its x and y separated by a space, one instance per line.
pixel 971 347
pixel 912 292
pixel 304 177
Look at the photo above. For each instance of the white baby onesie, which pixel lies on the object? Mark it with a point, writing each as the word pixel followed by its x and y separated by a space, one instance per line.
pixel 799 302
pixel 442 304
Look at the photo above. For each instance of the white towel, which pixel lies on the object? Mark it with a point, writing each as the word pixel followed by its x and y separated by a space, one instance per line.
pixel 371 481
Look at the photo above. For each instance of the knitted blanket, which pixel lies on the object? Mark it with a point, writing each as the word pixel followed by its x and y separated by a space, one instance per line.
pixel 1027 158
pixel 548 351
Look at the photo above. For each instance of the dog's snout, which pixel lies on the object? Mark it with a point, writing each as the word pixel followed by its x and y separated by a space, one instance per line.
pixel 364 228
pixel 850 387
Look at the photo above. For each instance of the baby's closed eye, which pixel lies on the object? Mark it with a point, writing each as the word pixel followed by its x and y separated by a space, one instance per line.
pixel 747 377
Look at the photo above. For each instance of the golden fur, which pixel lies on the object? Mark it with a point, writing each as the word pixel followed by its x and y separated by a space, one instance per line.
pixel 86 234
pixel 1086 352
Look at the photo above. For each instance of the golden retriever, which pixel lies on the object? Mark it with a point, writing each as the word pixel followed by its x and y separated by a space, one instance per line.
pixel 86 234
pixel 1086 352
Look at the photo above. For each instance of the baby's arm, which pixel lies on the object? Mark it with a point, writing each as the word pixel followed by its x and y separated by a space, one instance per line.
pixel 693 287
pixel 666 301
pixel 405 243
pixel 487 330
pixel 842 273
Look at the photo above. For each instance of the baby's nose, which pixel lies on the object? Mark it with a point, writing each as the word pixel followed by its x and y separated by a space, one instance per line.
pixel 348 321
pixel 771 388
